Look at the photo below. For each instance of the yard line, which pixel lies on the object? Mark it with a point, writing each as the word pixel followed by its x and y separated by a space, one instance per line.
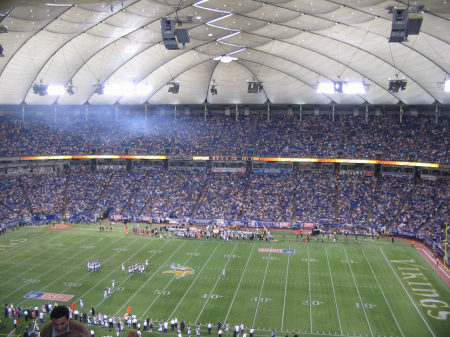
pixel 24 243
pixel 70 271
pixel 107 276
pixel 262 286
pixel 356 286
pixel 35 267
pixel 237 288
pixel 309 285
pixel 162 265
pixel 407 292
pixel 285 289
pixel 33 257
pixel 220 275
pixel 173 278
pixel 379 286
pixel 334 293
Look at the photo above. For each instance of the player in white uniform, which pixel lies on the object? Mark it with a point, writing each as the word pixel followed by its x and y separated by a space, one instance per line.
pixel 123 267
pixel 81 303
pixel 112 284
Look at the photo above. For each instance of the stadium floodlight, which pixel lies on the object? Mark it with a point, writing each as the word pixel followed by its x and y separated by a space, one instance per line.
pixel 397 85
pixel 55 90
pixel 174 87
pixel 124 89
pixel 40 89
pixel 325 88
pixel 352 88
pixel 255 87
pixel 447 85
pixel 225 58
pixel 142 89
pixel 355 88
pixel 99 89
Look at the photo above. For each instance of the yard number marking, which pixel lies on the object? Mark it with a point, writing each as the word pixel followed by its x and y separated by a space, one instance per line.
pixel 306 302
pixel 310 260
pixel 193 254
pixel 160 292
pixel 263 299
pixel 31 280
pixel 72 285
pixel 213 296
pixel 367 305
pixel 349 261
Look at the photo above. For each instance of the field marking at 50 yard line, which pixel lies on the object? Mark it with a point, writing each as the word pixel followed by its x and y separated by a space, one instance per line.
pixel 107 276
pixel 239 284
pixel 207 299
pixel 357 290
pixel 49 284
pixel 334 292
pixel 168 283
pixel 392 268
pixel 33 257
pixel 40 274
pixel 262 286
pixel 379 286
pixel 198 274
pixel 162 265
pixel 285 290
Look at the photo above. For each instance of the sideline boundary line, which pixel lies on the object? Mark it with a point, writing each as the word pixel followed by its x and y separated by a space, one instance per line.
pixel 382 292
pixel 403 286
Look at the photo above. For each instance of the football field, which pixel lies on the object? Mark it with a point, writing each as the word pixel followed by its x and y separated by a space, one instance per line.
pixel 314 288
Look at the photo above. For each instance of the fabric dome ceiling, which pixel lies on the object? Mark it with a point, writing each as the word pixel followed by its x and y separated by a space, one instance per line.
pixel 290 46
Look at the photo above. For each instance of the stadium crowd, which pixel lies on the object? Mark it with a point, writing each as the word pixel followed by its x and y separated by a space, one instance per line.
pixel 304 196
pixel 312 136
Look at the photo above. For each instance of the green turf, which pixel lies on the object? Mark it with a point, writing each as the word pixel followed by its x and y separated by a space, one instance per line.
pixel 321 289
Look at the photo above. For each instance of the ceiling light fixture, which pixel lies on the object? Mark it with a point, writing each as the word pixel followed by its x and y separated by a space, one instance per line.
pixel 397 85
pixel 255 87
pixel 342 87
pixel 174 87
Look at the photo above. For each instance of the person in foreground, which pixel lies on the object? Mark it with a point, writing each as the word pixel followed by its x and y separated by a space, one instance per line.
pixel 60 323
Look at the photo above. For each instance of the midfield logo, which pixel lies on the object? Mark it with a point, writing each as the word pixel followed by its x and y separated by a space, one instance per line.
pixel 179 270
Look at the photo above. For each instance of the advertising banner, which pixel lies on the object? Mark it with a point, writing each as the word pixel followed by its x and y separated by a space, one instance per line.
pixel 228 169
